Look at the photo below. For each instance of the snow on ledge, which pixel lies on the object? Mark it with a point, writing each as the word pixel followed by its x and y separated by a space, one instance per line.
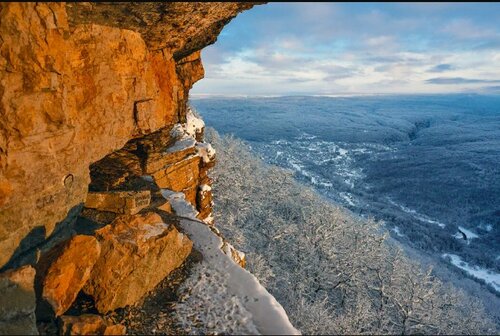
pixel 206 151
pixel 178 202
pixel 186 137
pixel 183 143
pixel 193 124
pixel 250 306
pixel 205 187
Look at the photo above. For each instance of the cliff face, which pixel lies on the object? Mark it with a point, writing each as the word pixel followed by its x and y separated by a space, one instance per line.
pixel 94 130
pixel 77 82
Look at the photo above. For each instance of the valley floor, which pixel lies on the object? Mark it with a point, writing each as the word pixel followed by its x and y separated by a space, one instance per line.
pixel 333 272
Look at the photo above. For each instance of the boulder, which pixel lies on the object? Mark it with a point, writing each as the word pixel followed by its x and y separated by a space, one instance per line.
pixel 69 270
pixel 122 202
pixel 137 252
pixel 89 324
pixel 17 302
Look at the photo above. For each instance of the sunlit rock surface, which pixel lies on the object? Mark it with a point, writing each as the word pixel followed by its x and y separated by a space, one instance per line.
pixel 137 252
pixel 78 81
pixel 68 269
pixel 94 129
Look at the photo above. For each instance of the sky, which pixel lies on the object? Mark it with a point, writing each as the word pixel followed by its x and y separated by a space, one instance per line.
pixel 355 48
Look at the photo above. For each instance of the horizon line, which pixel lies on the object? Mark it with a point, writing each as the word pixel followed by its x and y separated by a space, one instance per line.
pixel 339 95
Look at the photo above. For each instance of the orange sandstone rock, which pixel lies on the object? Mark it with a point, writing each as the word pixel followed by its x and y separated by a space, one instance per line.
pixel 158 161
pixel 67 101
pixel 69 271
pixel 166 206
pixel 180 175
pixel 89 324
pixel 80 80
pixel 138 251
pixel 123 202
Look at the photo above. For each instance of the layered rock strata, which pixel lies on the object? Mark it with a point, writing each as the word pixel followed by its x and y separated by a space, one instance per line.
pixel 77 82
pixel 94 127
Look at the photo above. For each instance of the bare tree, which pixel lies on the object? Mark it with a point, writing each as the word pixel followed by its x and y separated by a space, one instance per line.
pixel 332 271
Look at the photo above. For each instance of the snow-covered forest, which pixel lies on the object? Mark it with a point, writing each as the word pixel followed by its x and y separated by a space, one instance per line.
pixel 333 272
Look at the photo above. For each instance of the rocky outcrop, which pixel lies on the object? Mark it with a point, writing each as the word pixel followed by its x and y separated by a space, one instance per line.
pixel 17 302
pixel 89 324
pixel 77 82
pixel 138 251
pixel 95 130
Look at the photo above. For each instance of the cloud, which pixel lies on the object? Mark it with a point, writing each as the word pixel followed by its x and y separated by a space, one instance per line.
pixel 442 67
pixel 493 44
pixel 361 47
pixel 491 89
pixel 466 29
pixel 460 80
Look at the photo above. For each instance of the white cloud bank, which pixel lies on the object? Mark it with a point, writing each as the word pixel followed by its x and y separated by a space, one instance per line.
pixel 281 49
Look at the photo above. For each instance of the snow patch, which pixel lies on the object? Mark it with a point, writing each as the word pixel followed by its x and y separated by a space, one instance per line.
pixel 465 234
pixel 206 151
pixel 183 143
pixel 193 124
pixel 186 135
pixel 238 299
pixel 343 152
pixel 468 233
pixel 426 219
pixel 228 249
pixel 179 204
pixel 417 215
pixel 177 131
pixel 220 295
pixel 314 180
pixel 396 230
pixel 488 276
pixel 348 198
pixel 205 187
pixel 200 314
pixel 210 219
